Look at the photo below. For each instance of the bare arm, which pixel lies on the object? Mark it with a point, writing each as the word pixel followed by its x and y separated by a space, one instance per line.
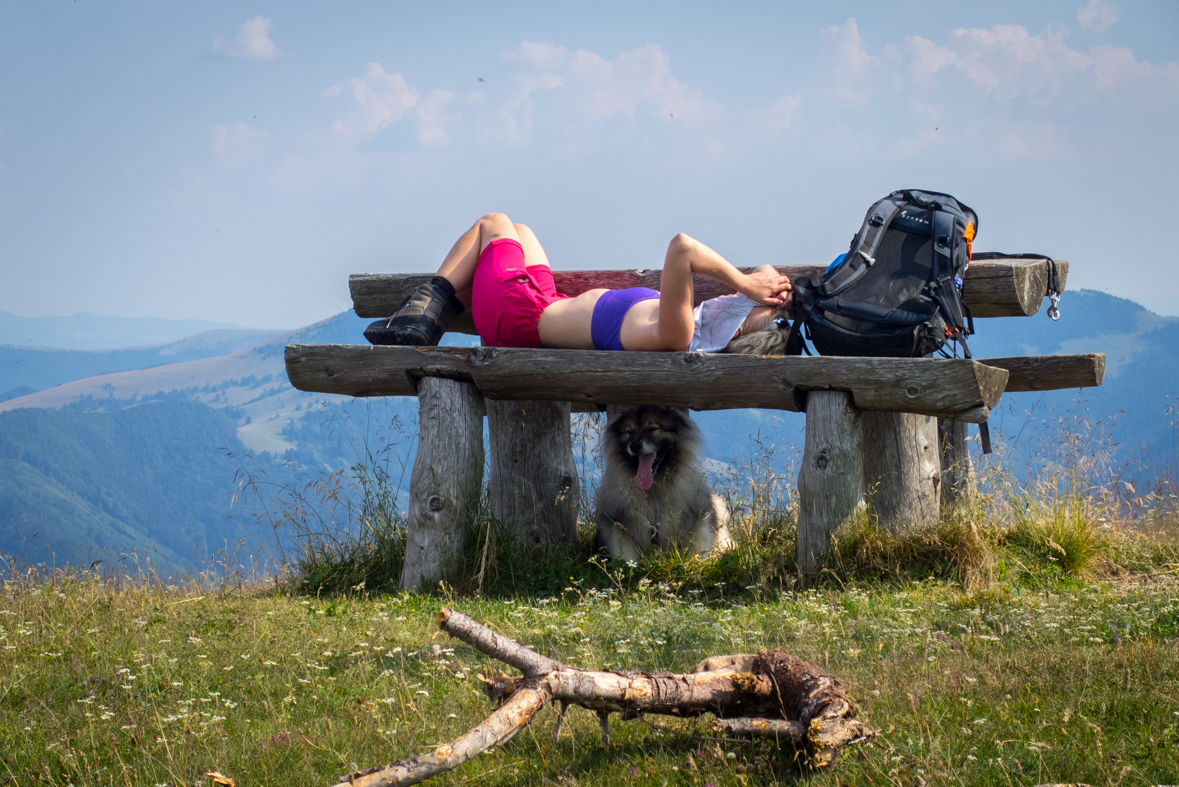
pixel 765 285
pixel 685 257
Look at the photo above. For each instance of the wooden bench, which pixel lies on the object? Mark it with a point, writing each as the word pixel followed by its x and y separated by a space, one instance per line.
pixel 911 412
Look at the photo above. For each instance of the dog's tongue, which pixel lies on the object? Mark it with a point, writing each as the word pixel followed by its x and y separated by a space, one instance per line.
pixel 645 477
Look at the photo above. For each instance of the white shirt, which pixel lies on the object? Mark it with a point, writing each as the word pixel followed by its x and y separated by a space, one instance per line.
pixel 717 321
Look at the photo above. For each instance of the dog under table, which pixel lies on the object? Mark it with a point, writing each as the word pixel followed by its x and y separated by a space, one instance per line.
pixel 910 413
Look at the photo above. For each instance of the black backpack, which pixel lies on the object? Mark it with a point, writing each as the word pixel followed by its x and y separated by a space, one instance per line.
pixel 898 290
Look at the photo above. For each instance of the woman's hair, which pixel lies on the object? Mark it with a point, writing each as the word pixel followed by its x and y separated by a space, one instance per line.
pixel 764 337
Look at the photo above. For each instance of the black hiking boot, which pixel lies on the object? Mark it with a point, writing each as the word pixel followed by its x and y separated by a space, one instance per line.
pixel 422 317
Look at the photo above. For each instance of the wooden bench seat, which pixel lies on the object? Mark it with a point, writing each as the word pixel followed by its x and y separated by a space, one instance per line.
pixel 909 413
pixel 994 288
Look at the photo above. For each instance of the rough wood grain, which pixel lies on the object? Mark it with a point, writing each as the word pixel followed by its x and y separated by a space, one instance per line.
pixel 943 388
pixel 958 478
pixel 1007 288
pixel 500 727
pixel 902 470
pixel 831 474
pixel 787 693
pixel 1050 372
pixel 445 482
pixel 533 485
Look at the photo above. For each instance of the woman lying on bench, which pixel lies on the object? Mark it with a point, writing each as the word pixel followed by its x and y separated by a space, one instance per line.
pixel 500 271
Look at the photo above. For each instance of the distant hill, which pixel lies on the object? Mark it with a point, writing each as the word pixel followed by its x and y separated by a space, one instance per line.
pixel 85 450
pixel 252 380
pixel 155 478
pixel 1141 382
pixel 37 368
pixel 100 332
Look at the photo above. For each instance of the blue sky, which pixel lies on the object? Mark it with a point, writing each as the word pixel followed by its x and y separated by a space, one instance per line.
pixel 236 162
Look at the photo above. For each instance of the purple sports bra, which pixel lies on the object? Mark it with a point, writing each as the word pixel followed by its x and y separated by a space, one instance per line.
pixel 610 311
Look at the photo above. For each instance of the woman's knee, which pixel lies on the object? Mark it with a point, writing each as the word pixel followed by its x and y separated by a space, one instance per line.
pixel 495 221
pixel 680 244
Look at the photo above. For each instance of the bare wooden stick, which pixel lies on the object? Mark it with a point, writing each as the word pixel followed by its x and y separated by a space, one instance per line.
pixel 483 639
pixel 497 728
pixel 777 728
pixel 789 694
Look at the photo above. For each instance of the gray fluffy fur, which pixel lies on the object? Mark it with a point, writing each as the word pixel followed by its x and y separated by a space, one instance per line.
pixel 679 511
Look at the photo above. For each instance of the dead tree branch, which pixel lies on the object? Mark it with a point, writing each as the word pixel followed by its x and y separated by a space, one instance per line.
pixel 770 693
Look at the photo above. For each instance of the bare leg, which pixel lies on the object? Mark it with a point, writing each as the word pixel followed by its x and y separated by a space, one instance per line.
pixel 459 266
pixel 533 253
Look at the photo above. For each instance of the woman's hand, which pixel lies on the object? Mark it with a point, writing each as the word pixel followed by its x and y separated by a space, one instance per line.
pixel 766 286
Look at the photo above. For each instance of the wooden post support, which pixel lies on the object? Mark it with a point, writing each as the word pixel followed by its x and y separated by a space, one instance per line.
pixel 902 470
pixel 534 485
pixel 830 479
pixel 446 480
pixel 958 480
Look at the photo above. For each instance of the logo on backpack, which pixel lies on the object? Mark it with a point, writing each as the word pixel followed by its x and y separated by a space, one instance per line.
pixel 898 290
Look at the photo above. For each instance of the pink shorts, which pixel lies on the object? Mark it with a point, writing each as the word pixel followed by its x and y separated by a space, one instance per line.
pixel 507 297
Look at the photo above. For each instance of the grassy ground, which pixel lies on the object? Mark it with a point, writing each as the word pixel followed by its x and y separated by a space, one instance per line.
pixel 1019 683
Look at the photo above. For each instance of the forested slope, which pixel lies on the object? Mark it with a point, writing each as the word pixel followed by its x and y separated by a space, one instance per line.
pixel 153 478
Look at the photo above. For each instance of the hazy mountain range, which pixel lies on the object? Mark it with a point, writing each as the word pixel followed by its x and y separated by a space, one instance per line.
pixel 138 447
pixel 87 331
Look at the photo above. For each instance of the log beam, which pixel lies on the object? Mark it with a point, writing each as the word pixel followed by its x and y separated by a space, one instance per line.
pixel 445 482
pixel 1050 372
pixel 993 288
pixel 831 475
pixel 956 388
pixel 902 470
pixel 533 486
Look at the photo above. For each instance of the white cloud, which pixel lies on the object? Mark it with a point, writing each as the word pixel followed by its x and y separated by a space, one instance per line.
pixel 297 174
pixel 586 90
pixel 252 41
pixel 1037 141
pixel 1099 15
pixel 542 55
pixel 927 58
pixel 851 56
pixel 639 77
pixel 512 121
pixel 433 119
pixel 1008 61
pixel 380 99
pixel 237 144
pixel 779 114
pixel 928 135
pixel 850 62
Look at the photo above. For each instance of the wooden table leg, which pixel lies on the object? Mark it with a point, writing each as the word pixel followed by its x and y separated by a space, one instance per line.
pixel 902 470
pixel 831 476
pixel 446 480
pixel 534 485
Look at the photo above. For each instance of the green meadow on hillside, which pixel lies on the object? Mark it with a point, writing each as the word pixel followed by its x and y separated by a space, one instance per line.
pixel 101 684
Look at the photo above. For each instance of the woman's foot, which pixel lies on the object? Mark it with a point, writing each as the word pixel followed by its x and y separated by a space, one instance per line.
pixel 422 317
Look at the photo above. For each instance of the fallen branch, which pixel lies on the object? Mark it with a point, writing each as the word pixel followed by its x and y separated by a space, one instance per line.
pixel 770 693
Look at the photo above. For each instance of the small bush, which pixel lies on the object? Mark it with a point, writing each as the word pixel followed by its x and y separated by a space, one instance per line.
pixel 962 546
pixel 1065 534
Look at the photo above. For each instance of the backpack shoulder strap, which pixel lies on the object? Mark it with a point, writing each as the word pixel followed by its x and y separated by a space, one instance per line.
pixel 862 254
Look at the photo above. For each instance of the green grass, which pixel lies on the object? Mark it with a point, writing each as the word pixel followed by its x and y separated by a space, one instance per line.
pixel 1067 680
